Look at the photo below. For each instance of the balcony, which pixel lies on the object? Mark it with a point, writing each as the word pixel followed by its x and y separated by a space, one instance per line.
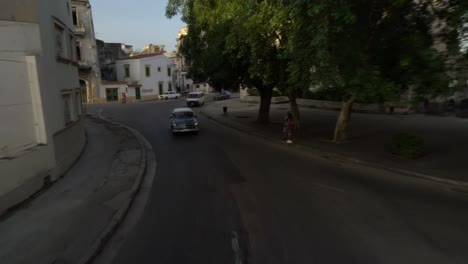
pixel 84 65
pixel 80 30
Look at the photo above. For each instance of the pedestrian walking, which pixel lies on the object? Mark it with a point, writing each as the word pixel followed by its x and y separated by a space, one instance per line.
pixel 288 127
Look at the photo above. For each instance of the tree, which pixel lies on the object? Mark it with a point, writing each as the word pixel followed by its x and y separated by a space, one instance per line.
pixel 367 50
pixel 245 32
pixel 371 50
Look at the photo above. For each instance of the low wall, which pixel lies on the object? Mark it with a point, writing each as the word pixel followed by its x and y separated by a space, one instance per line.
pixel 130 99
pixel 332 105
pixel 24 175
pixel 256 99
pixel 328 105
pixel 68 145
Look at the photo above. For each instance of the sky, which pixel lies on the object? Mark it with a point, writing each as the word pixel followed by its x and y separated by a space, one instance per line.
pixel 137 23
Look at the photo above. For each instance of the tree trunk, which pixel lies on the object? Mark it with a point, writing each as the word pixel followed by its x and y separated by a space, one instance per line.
pixel 294 108
pixel 343 119
pixel 265 101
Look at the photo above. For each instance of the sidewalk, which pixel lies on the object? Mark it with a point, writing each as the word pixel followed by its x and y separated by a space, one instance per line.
pixel 370 135
pixel 65 222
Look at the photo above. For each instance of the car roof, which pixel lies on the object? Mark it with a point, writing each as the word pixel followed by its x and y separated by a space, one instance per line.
pixel 183 109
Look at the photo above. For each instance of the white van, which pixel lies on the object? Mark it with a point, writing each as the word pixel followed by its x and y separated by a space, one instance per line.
pixel 195 99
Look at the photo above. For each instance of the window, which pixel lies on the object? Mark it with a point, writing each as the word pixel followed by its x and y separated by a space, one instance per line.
pixel 72 48
pixel 59 41
pixel 197 86
pixel 78 51
pixel 67 108
pixel 75 17
pixel 159 69
pixel 78 103
pixel 160 86
pixel 169 85
pixel 127 70
pixel 169 71
pixel 147 70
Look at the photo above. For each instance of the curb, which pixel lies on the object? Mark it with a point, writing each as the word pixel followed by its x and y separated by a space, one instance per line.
pixel 119 216
pixel 341 158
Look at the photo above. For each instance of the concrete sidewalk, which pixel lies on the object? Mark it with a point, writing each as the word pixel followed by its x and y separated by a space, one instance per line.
pixel 446 138
pixel 66 222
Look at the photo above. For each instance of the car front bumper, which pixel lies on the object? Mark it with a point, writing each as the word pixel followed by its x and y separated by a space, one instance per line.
pixel 185 129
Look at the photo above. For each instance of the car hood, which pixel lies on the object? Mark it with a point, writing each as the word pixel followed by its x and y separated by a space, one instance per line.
pixel 184 121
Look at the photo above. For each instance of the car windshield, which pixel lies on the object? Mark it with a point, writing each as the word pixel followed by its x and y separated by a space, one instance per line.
pixel 193 96
pixel 183 115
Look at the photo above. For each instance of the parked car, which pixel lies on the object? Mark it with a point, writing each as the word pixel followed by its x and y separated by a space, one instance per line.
pixel 184 120
pixel 222 95
pixel 195 99
pixel 169 95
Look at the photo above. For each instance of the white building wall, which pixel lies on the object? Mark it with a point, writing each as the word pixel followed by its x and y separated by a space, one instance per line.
pixel 149 85
pixel 15 102
pixel 34 138
pixel 134 67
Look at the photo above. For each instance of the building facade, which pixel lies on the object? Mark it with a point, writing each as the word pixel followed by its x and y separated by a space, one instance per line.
pixel 41 133
pixel 184 83
pixel 86 50
pixel 146 76
pixel 153 49
pixel 108 53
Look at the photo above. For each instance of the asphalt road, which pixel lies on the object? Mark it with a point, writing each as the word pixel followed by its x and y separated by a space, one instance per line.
pixel 295 208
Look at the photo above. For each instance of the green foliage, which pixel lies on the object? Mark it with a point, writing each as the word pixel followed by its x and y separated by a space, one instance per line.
pixel 373 50
pixel 253 92
pixel 408 145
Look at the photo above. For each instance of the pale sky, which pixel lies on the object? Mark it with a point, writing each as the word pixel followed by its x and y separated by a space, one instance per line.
pixel 137 23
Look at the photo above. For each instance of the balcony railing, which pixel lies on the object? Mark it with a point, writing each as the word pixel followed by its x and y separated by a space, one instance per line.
pixel 84 65
pixel 80 30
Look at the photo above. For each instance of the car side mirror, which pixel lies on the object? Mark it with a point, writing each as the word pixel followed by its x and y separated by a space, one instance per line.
pixel 196 116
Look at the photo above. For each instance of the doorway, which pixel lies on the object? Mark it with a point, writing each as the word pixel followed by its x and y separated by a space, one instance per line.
pixel 160 88
pixel 112 94
pixel 137 93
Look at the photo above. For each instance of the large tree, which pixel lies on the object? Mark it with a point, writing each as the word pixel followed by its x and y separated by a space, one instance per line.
pixel 371 50
pixel 246 34
pixel 366 50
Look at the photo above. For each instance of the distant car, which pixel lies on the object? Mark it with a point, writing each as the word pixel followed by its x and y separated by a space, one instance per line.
pixel 222 95
pixel 184 120
pixel 195 99
pixel 169 95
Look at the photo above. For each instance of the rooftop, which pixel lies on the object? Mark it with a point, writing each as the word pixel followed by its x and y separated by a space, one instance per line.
pixel 142 56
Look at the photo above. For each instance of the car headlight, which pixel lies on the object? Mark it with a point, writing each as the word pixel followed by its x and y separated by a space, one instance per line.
pixel 196 123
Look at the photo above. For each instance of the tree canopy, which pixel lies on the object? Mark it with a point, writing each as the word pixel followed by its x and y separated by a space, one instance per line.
pixel 368 50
